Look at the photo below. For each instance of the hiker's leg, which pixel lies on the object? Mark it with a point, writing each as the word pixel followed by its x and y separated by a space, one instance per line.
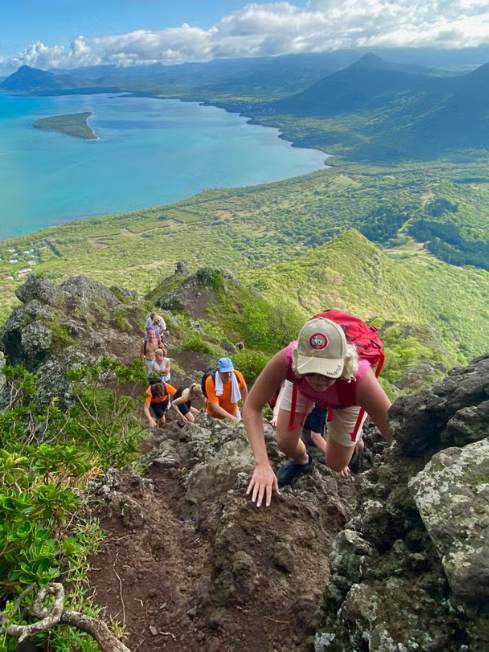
pixel 186 415
pixel 339 444
pixel 159 412
pixel 289 441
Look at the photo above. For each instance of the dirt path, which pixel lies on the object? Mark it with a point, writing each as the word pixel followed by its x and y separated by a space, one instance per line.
pixel 228 576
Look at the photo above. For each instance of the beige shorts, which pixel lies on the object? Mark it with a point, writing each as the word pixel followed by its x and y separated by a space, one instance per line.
pixel 340 426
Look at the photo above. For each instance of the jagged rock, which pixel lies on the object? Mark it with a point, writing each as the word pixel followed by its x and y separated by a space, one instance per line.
pixel 36 337
pixel 347 560
pixel 417 421
pixel 129 294
pixel 167 456
pixel 415 377
pixel 87 290
pixel 181 269
pixel 418 539
pixel 452 495
pixel 59 328
pixel 39 289
pixel 218 474
pixel 467 425
pixel 132 513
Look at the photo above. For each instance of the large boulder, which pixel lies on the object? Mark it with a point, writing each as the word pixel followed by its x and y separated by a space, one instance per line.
pixel 60 328
pixel 452 495
pixel 418 421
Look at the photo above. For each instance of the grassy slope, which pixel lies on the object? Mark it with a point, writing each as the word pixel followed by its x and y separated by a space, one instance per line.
pixel 247 229
pixel 354 275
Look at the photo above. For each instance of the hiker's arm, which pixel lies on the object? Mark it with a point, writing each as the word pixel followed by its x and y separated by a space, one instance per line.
pixel 179 401
pixel 220 411
pixel 166 370
pixel 147 414
pixel 264 480
pixel 318 440
pixel 371 397
pixel 141 355
pixel 276 409
pixel 244 392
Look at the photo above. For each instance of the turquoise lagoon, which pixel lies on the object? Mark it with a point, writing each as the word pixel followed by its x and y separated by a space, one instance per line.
pixel 150 152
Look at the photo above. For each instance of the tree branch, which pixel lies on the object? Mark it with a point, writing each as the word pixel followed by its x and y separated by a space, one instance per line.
pixel 57 614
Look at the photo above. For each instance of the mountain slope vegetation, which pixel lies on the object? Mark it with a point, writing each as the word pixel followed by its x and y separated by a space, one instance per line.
pixel 371 110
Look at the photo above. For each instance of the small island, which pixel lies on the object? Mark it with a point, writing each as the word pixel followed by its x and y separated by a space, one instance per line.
pixel 73 124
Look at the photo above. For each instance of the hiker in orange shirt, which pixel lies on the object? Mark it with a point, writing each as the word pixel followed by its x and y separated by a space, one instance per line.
pixel 224 388
pixel 158 400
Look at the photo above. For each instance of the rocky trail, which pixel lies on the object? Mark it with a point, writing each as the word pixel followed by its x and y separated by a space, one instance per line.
pixel 392 559
pixel 189 562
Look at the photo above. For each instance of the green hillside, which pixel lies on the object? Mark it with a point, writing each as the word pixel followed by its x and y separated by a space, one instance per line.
pixel 277 239
pixel 371 110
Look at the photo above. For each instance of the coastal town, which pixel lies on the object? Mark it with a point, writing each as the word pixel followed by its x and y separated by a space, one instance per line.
pixel 16 263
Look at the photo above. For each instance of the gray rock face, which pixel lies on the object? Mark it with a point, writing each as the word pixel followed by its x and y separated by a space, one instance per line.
pixel 218 472
pixel 411 569
pixel 58 328
pixel 36 337
pixel 38 289
pixel 83 288
pixel 452 495
pixel 417 422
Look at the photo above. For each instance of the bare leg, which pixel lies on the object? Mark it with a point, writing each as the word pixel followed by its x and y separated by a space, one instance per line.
pixel 289 441
pixel 338 457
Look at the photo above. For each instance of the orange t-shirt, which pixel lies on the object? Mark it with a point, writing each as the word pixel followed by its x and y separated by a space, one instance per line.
pixel 168 388
pixel 225 399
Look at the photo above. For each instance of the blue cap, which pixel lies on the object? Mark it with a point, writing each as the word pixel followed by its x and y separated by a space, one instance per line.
pixel 225 365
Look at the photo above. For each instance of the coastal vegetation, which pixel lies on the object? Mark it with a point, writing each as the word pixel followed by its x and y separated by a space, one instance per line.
pixel 275 238
pixel 47 458
pixel 73 124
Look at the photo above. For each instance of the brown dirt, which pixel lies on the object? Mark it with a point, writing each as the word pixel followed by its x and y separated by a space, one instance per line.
pixel 232 578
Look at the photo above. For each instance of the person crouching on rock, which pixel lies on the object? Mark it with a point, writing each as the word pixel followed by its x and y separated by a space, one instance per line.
pixel 320 367
pixel 158 400
pixel 182 403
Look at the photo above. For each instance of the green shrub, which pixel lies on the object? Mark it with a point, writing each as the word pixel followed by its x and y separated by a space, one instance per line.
pixel 120 320
pixel 250 363
pixel 197 344
pixel 210 278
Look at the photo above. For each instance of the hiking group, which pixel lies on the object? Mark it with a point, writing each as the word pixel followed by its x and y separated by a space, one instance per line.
pixel 331 369
pixel 222 388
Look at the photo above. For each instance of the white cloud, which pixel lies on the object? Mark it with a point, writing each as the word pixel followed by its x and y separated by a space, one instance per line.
pixel 261 29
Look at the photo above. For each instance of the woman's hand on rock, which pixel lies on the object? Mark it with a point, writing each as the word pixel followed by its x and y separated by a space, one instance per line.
pixel 262 484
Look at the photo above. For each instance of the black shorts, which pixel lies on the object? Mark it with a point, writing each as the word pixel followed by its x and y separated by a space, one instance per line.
pixel 159 408
pixel 316 419
pixel 183 409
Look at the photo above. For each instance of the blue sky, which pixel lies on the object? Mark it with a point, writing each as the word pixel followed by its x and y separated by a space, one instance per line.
pixel 70 33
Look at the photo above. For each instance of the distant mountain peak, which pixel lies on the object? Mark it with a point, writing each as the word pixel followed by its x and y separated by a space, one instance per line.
pixel 370 60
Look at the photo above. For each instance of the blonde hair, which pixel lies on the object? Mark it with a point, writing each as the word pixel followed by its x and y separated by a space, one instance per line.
pixel 161 351
pixel 195 391
pixel 351 363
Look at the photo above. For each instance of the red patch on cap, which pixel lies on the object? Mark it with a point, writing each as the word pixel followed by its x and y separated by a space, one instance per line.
pixel 318 341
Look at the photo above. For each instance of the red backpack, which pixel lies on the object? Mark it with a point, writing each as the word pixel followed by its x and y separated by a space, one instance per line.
pixel 369 347
pixel 363 336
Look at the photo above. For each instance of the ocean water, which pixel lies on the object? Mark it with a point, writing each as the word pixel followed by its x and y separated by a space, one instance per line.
pixel 150 152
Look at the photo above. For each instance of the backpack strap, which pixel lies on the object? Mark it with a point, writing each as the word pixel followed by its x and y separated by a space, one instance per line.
pixel 292 409
pixel 361 414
